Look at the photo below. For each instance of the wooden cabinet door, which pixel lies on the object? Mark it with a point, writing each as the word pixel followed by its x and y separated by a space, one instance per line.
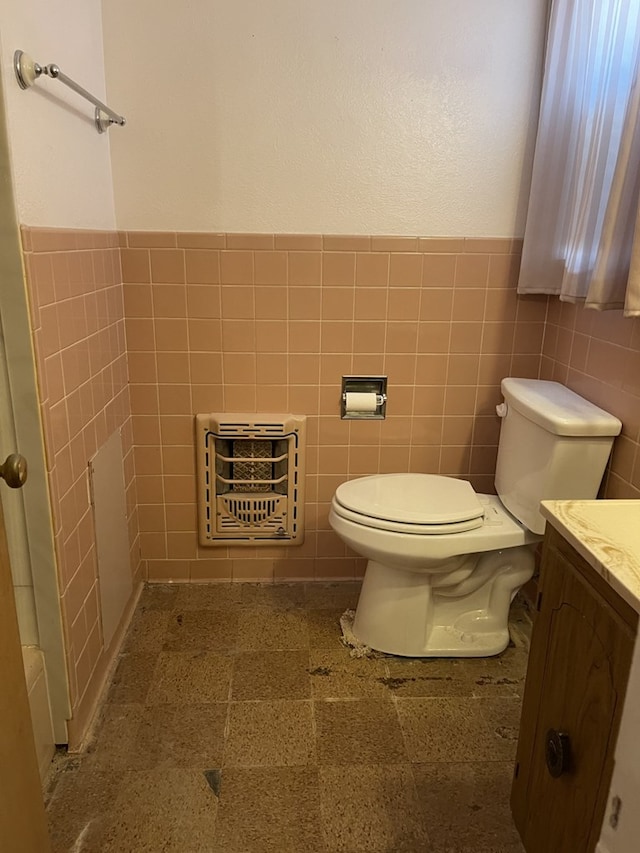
pixel 580 671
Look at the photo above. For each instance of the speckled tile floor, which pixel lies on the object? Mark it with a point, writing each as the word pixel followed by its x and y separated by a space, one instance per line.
pixel 236 722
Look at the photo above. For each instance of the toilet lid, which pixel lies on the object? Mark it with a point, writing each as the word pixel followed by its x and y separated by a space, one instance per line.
pixel 412 498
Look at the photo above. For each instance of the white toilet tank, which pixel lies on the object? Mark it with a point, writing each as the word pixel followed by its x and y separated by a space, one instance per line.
pixel 554 445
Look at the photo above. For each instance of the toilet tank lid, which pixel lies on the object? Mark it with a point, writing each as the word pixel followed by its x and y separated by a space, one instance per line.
pixel 557 409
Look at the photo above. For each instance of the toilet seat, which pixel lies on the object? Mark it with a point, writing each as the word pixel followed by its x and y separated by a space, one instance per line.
pixel 421 504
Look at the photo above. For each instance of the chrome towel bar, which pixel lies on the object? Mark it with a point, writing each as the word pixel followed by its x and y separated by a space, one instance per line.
pixel 27 72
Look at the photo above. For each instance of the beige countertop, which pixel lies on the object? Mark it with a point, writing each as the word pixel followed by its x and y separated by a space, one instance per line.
pixel 607 535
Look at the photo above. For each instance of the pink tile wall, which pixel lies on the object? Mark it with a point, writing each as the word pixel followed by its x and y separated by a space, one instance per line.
pixel 75 289
pixel 598 355
pixel 261 322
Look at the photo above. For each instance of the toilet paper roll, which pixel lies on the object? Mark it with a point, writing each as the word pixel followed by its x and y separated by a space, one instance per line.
pixel 358 401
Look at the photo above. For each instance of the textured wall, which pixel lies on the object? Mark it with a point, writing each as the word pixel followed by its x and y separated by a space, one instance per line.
pixel 61 165
pixel 372 116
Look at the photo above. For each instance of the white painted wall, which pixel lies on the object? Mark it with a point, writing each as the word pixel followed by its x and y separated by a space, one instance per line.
pixel 61 166
pixel 343 116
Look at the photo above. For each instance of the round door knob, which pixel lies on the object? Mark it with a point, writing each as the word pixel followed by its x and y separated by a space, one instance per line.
pixel 14 470
pixel 557 752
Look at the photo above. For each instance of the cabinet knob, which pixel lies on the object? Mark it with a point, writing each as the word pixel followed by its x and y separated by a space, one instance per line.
pixel 557 752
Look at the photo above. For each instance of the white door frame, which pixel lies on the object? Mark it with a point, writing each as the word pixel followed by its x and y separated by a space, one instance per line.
pixel 28 517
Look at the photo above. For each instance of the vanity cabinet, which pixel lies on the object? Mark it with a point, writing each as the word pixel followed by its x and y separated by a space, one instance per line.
pixel 581 648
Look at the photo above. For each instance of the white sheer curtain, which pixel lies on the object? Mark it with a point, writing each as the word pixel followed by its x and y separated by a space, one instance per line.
pixel 582 237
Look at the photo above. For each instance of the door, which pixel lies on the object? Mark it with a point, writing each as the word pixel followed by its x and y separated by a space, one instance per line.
pixel 22 816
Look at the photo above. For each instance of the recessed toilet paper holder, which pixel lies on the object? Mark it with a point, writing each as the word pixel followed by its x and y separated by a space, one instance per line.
pixel 363 398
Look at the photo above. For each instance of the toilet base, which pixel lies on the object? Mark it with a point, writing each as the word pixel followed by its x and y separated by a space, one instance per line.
pixel 464 613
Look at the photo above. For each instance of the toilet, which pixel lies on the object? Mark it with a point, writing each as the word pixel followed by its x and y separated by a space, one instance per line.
pixel 445 562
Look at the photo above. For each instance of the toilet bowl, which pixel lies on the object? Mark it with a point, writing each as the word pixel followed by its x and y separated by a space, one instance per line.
pixel 445 563
pixel 433 587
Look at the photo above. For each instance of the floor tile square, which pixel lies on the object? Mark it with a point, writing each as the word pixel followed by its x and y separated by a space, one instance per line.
pixel 336 675
pixel 324 629
pixel 133 676
pixel 466 806
pixel 271 675
pixel 169 810
pixel 262 629
pixel 146 632
pixel 114 745
pixel 182 735
pixel 202 630
pixel 279 596
pixel 81 800
pixel 270 809
pixel 500 676
pixel 190 678
pixel 158 596
pixel 503 719
pixel 373 809
pixel 358 731
pixel 342 595
pixel 277 734
pixel 449 730
pixel 208 596
pixel 434 677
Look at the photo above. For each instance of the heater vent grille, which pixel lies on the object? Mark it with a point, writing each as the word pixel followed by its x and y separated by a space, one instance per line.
pixel 250 428
pixel 251 475
pixel 250 478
